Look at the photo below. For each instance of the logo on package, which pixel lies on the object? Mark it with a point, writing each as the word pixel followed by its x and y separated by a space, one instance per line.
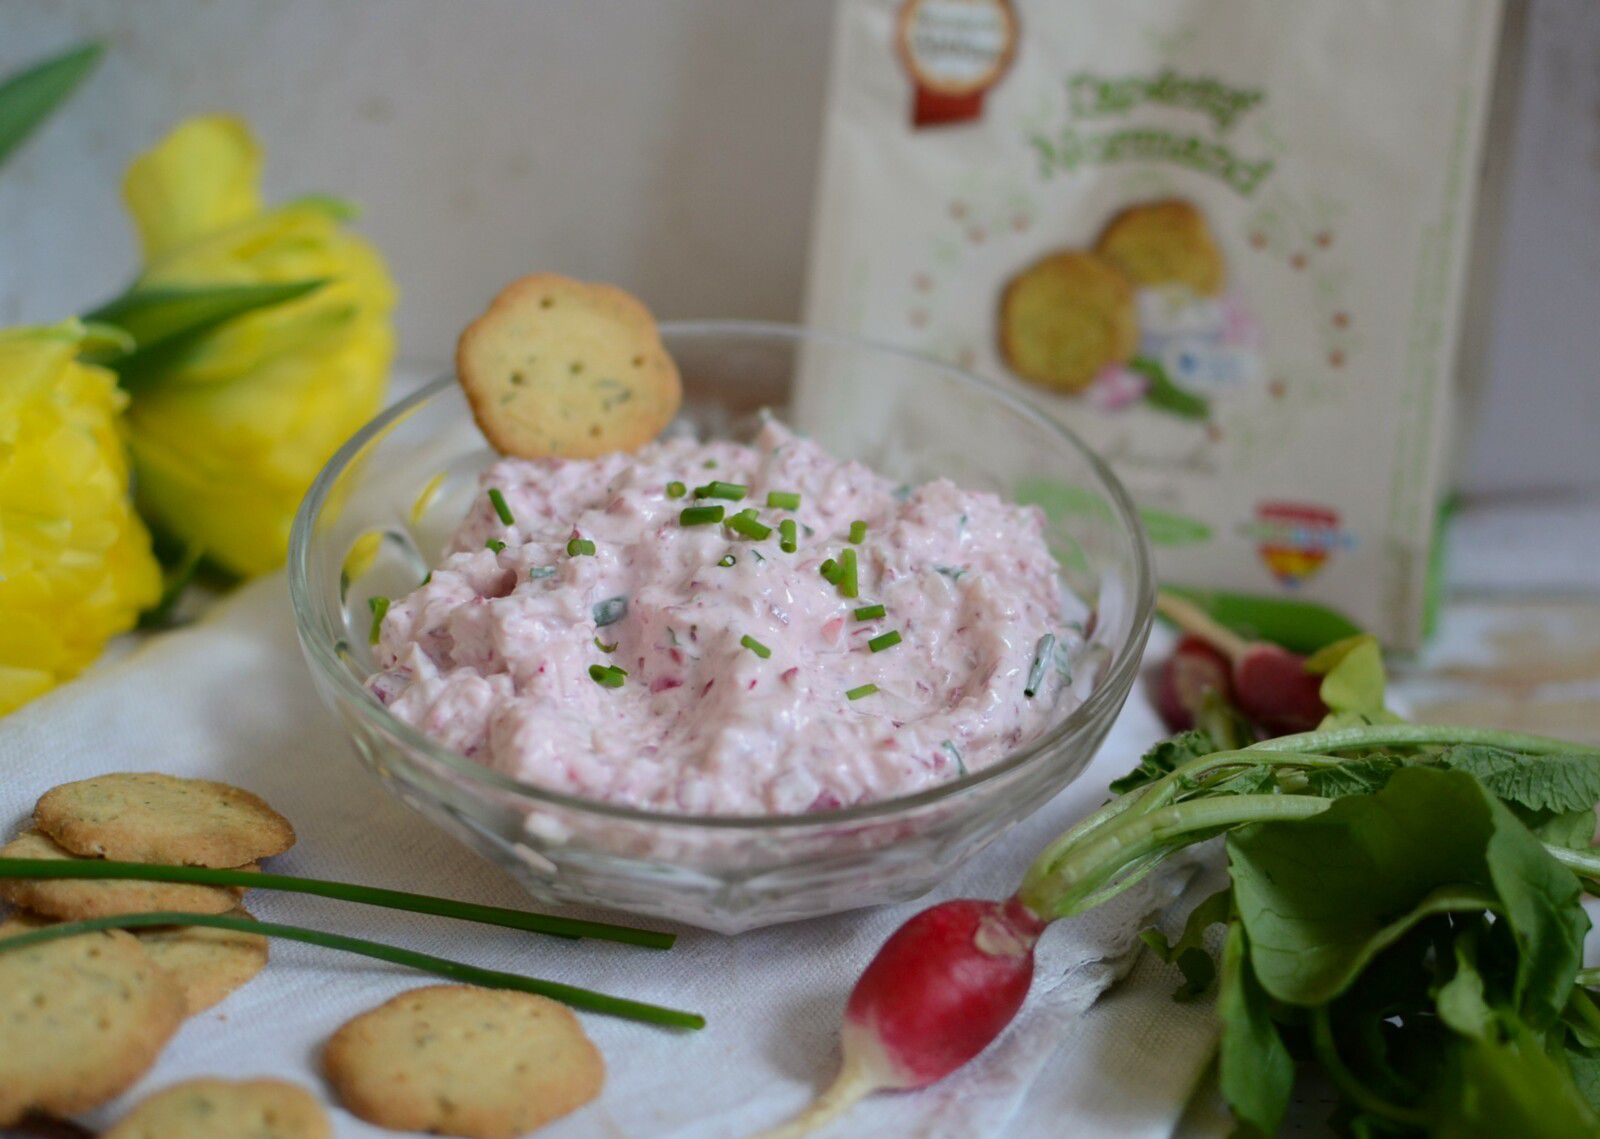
pixel 954 51
pixel 1295 540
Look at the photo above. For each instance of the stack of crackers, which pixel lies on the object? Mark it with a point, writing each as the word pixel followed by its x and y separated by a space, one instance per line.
pixel 83 1018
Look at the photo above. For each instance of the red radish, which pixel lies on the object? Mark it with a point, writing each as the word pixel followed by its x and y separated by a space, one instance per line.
pixel 942 987
pixel 1179 684
pixel 1271 685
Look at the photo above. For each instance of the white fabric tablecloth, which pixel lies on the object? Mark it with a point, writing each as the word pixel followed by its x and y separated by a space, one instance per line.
pixel 230 699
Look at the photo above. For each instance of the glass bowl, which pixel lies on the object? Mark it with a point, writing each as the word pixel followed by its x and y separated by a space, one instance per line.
pixel 379 513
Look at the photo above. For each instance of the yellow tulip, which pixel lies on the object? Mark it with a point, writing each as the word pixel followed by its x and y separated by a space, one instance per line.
pixel 228 432
pixel 75 561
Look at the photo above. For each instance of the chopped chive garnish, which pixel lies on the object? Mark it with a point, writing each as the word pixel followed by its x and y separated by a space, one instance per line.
pixel 1042 652
pixel 954 573
pixel 709 464
pixel 716 489
pixel 700 515
pixel 783 500
pixel 831 570
pixel 954 753
pixel 676 489
pixel 611 610
pixel 858 532
pixel 429 578
pixel 379 607
pixel 605 648
pixel 884 641
pixel 755 646
pixel 745 523
pixel 538 573
pixel 727 560
pixel 607 675
pixel 858 693
pixel 498 500
pixel 869 612
pixel 494 544
pixel 786 536
pixel 848 584
pixel 578 546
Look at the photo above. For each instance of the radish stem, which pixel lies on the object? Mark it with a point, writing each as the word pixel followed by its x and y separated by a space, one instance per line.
pixel 1414 735
pixel 1063 887
pixel 1189 617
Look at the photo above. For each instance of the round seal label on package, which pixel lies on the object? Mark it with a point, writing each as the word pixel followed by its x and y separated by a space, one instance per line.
pixel 954 51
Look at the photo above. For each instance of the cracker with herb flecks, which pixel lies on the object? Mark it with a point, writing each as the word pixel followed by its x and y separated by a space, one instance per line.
pixel 557 368
pixel 150 817
pixel 80 1020
pixel 1066 317
pixel 458 1060
pixel 207 963
pixel 76 899
pixel 1164 243
pixel 211 1108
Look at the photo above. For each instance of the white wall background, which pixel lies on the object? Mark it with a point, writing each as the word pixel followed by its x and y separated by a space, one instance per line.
pixel 667 145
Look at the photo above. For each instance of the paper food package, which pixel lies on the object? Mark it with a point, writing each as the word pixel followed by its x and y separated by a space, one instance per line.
pixel 1224 241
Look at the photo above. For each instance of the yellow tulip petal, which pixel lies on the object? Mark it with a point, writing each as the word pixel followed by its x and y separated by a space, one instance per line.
pixel 75 561
pixel 202 177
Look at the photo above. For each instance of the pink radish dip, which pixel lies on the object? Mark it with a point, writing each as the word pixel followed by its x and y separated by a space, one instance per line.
pixel 699 667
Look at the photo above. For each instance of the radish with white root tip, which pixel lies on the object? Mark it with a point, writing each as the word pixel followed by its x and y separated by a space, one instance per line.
pixel 949 980
pixel 942 987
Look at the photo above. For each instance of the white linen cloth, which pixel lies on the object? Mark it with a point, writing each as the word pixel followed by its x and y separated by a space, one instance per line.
pixel 230 698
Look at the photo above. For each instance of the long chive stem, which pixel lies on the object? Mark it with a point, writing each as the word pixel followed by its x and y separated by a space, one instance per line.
pixel 341 891
pixel 455 970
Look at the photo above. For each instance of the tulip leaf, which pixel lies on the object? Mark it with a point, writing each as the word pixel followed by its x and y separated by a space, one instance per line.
pixel 27 98
pixel 162 317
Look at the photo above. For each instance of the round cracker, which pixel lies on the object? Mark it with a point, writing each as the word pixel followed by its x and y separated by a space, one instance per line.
pixel 1065 318
pixel 557 368
pixel 207 963
pixel 76 899
pixel 211 1108
pixel 1164 243
pixel 150 817
pixel 81 1019
pixel 458 1060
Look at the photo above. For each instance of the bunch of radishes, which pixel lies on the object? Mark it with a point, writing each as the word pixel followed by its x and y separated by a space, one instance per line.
pixel 949 980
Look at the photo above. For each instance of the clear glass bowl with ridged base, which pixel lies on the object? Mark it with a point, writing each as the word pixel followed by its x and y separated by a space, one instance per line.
pixel 378 515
